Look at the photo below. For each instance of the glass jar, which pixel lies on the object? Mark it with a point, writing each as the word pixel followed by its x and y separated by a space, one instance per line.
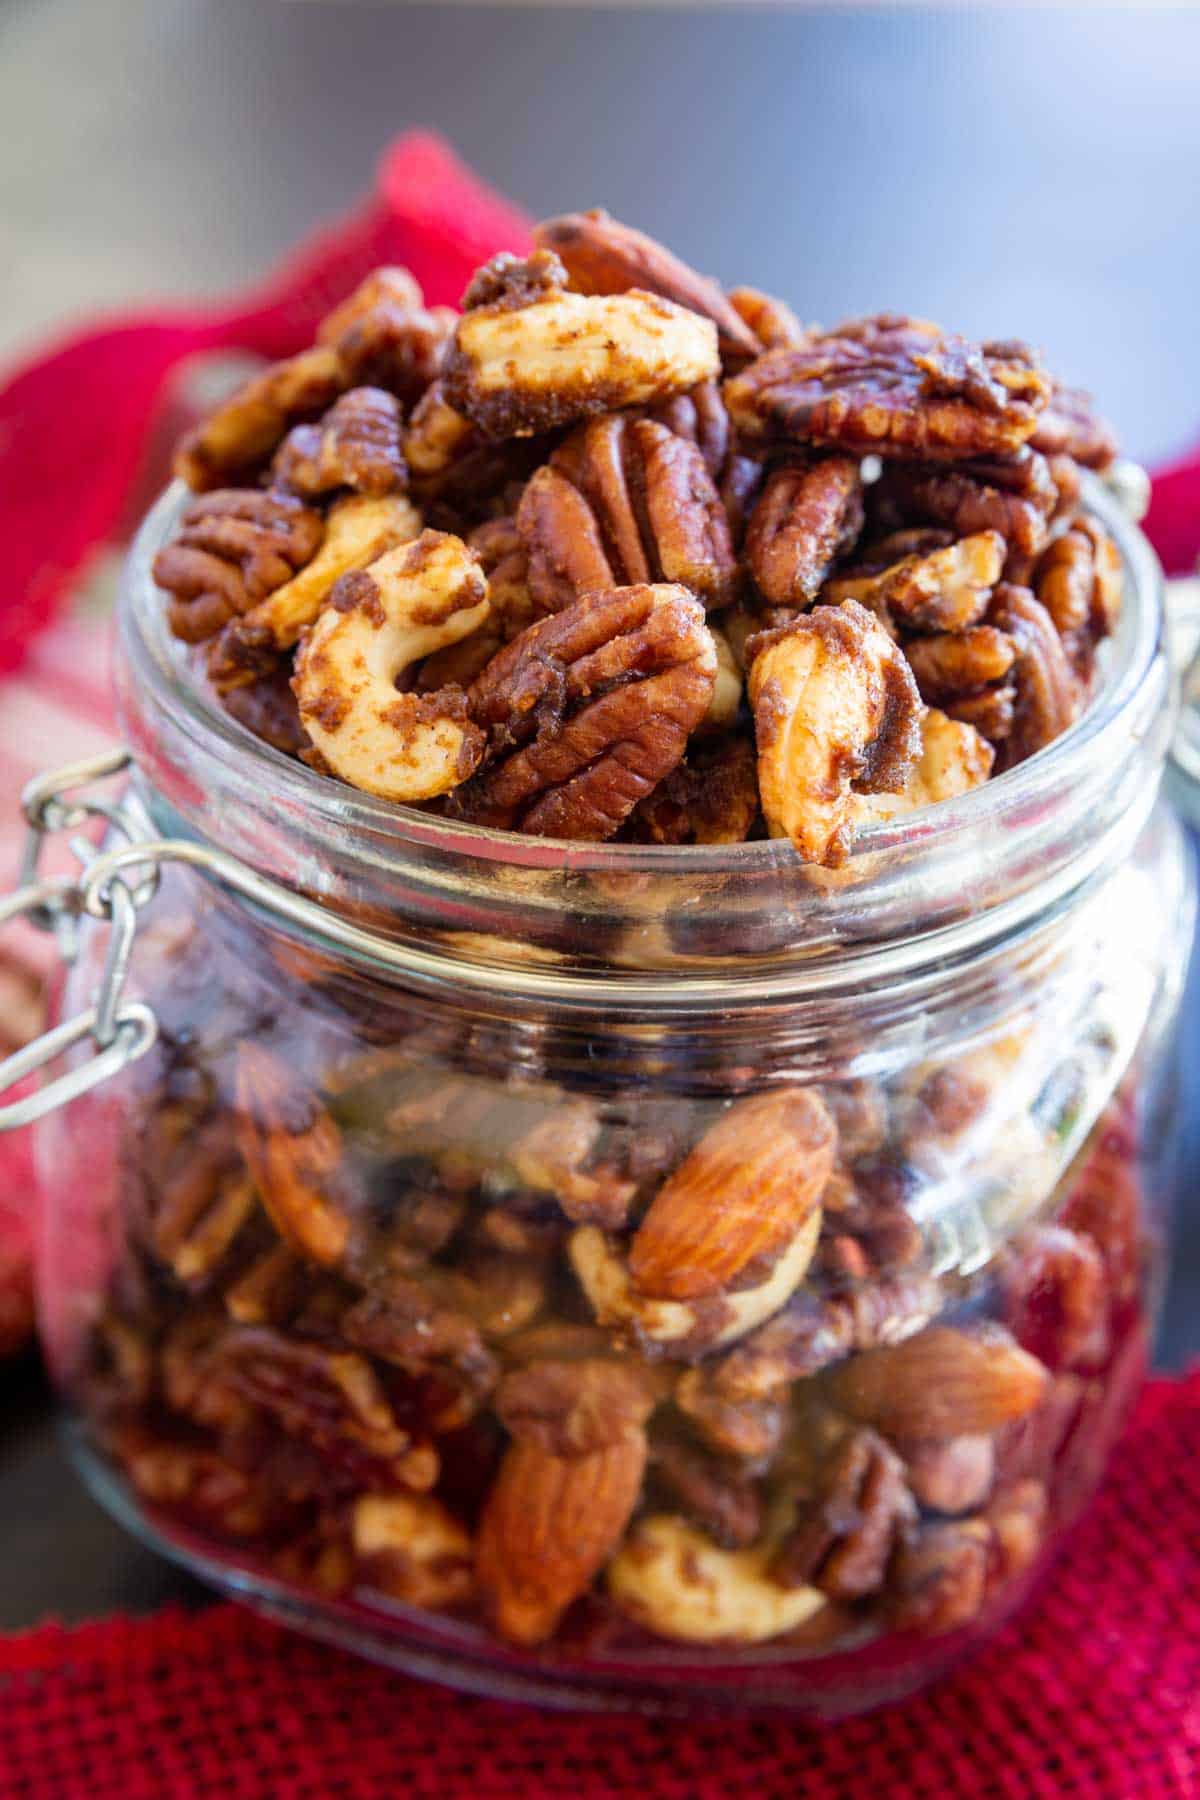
pixel 618 1275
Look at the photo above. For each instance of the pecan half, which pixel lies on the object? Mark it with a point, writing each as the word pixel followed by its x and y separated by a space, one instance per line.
pixel 234 442
pixel 805 517
pixel 535 356
pixel 293 1150
pixel 836 710
pixel 1079 581
pixel 233 548
pixel 602 256
pixel 715 1494
pixel 570 1408
pixel 711 798
pixel 331 1399
pixel 845 1535
pixel 587 710
pixel 1014 495
pixel 268 708
pixel 384 334
pixel 1070 426
pixel 942 589
pixel 356 445
pixel 940 1383
pixel 891 392
pixel 379 622
pixel 549 1525
pixel 624 501
pixel 951 664
pixel 1048 695
pixel 1056 1297
pixel 746 1189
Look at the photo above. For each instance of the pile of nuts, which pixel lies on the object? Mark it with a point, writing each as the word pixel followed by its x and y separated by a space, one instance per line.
pixel 615 554
pixel 595 1362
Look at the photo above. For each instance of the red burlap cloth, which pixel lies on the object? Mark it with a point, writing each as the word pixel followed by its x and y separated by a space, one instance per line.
pixel 1094 1692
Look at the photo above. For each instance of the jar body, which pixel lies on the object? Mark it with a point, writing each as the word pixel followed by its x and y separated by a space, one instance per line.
pixel 763 1357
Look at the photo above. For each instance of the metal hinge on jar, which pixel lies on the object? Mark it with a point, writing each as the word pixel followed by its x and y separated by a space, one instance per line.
pixel 120 1030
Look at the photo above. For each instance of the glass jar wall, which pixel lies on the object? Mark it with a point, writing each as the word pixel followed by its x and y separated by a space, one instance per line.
pixel 605 1274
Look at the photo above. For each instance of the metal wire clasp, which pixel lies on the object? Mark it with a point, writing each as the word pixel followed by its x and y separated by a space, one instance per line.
pixel 120 1030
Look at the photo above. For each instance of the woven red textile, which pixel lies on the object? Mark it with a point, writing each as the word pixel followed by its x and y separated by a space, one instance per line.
pixel 1094 1692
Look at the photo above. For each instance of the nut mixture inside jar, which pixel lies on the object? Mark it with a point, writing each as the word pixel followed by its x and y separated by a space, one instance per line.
pixel 612 554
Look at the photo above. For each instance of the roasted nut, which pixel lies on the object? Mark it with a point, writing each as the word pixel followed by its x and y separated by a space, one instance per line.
pixel 749 1429
pixel 602 256
pixel 383 334
pixel 1071 427
pixel 954 759
pixel 773 323
pixel 563 763
pixel 940 1383
pixel 573 1407
pixel 1014 495
pixel 549 1525
pixel 844 1536
pixel 805 517
pixel 952 664
pixel 293 1151
pixel 233 548
pixel 836 712
pixel 409 1547
pixel 714 1493
pixel 1056 1297
pixel 711 798
pixel 515 1136
pixel 673 1580
pixel 1079 582
pixel 951 1475
pixel 941 1579
pixel 690 1328
pixel 753 1181
pixel 202 1209
pixel 892 389
pixel 267 708
pixel 624 501
pixel 536 356
pixel 458 472
pixel 232 444
pixel 379 622
pixel 330 1399
pixel 504 560
pixel 1048 693
pixel 199 1483
pixel 940 590
pixel 358 530
pixel 356 445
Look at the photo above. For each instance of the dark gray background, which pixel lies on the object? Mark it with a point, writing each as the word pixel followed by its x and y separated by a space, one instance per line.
pixel 1022 171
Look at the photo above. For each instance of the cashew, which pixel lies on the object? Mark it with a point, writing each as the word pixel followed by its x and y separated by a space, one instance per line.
pixel 412 601
pixel 415 1550
pixel 710 1323
pixel 834 701
pixel 954 759
pixel 358 530
pixel 727 694
pixel 516 370
pixel 675 1581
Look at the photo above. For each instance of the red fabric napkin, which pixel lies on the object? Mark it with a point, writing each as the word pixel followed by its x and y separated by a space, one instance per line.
pixel 1093 1695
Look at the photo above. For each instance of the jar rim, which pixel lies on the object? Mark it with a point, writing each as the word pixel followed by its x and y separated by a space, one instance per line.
pixel 888 891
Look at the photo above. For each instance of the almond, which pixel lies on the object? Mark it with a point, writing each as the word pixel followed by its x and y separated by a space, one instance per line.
pixel 744 1191
pixel 549 1525
pixel 602 256
pixel 941 1383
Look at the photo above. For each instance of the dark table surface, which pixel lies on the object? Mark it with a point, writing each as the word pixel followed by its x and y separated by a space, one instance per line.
pixel 1006 171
